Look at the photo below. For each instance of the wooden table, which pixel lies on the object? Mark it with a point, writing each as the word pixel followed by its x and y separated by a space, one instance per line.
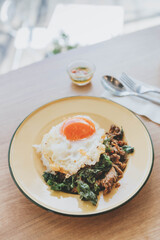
pixel 24 90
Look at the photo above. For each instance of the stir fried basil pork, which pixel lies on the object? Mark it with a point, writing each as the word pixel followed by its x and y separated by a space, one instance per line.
pixel 102 176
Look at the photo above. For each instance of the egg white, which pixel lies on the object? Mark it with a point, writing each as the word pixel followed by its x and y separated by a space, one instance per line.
pixel 60 154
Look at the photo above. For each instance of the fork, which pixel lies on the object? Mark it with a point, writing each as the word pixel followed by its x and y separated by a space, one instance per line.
pixel 136 87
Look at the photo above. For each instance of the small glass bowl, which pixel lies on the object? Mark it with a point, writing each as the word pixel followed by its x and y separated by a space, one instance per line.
pixel 81 72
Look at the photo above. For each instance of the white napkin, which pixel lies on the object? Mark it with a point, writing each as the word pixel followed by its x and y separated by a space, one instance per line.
pixel 138 105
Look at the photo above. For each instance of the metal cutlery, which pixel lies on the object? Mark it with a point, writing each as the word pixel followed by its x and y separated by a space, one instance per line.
pixel 135 86
pixel 118 89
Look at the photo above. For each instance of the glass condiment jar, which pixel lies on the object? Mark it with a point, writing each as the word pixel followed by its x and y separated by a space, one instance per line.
pixel 81 72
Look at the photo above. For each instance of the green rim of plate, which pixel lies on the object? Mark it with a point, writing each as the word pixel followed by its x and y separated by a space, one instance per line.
pixel 89 214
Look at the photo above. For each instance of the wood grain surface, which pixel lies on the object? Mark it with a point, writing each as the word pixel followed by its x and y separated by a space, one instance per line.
pixel 24 90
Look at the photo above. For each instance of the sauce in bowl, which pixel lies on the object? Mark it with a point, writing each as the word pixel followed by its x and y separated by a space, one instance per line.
pixel 81 72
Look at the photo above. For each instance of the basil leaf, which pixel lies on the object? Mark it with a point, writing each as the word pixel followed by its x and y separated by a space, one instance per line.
pixel 86 193
pixel 104 163
pixel 89 174
pixel 106 141
pixel 122 132
pixel 58 186
pixel 96 189
pixel 107 148
pixel 128 149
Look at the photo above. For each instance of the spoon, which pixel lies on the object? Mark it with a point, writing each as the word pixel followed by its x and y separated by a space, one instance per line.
pixel 118 89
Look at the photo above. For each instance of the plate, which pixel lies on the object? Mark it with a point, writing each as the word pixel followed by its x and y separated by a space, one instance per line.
pixel 26 168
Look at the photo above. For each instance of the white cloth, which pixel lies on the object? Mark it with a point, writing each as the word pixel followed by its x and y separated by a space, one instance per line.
pixel 138 105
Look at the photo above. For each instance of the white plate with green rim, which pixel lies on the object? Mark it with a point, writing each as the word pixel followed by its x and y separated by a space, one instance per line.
pixel 26 167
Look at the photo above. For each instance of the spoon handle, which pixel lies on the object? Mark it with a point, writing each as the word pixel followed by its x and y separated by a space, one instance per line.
pixel 152 90
pixel 148 98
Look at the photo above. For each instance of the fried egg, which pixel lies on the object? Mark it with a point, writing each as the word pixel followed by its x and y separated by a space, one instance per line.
pixel 71 145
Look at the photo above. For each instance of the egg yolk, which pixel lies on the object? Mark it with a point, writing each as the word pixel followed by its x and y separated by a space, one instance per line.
pixel 77 128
